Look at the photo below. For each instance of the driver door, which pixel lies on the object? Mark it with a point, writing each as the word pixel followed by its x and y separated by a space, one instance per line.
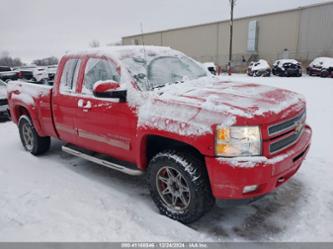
pixel 104 125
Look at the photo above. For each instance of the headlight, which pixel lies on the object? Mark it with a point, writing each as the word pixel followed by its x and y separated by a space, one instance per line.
pixel 238 141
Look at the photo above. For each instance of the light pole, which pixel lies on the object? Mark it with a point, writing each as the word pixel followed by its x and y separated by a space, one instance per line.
pixel 232 5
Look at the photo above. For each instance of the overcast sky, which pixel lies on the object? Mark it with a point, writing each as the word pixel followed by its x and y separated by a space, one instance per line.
pixel 33 29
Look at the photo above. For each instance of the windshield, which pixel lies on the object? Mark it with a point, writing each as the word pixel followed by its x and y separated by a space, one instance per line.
pixel 163 70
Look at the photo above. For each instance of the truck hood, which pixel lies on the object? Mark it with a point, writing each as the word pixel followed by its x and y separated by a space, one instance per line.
pixel 195 106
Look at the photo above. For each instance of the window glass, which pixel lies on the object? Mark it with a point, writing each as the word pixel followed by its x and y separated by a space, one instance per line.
pixel 69 75
pixel 76 74
pixel 98 70
pixel 171 69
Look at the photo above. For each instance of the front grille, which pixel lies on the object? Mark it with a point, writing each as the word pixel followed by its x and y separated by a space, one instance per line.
pixel 3 102
pixel 285 142
pixel 286 125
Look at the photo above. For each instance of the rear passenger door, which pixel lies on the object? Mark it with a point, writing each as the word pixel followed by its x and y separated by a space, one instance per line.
pixel 65 100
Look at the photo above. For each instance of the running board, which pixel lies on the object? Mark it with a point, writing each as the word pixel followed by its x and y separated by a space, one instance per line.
pixel 103 162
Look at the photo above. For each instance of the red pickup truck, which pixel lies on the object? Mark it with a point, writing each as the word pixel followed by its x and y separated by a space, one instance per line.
pixel 154 110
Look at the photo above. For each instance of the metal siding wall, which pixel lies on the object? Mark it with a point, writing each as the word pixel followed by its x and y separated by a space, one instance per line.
pixel 305 33
pixel 198 42
pixel 316 36
pixel 276 32
pixel 149 39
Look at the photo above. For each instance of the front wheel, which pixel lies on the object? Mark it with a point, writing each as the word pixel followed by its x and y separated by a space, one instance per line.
pixel 324 74
pixel 258 73
pixel 179 186
pixel 31 141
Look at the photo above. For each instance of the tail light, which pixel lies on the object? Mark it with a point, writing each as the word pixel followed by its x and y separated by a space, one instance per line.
pixel 19 75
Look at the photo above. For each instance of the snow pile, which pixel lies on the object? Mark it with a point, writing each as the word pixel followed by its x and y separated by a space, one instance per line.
pixel 325 62
pixel 282 61
pixel 260 65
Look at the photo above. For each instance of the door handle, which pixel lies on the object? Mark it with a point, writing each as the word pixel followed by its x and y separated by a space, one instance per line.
pixel 81 104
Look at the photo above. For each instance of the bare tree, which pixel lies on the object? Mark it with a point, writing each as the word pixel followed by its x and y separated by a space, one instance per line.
pixel 94 44
pixel 46 61
pixel 7 60
pixel 118 43
pixel 10 62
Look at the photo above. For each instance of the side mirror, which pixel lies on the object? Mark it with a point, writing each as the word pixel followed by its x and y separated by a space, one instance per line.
pixel 109 89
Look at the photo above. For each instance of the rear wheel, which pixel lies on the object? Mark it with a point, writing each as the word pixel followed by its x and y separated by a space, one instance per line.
pixel 179 186
pixel 31 141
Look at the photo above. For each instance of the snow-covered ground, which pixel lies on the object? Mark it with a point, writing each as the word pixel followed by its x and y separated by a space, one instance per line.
pixel 57 197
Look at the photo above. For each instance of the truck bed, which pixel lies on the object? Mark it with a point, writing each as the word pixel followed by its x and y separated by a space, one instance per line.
pixel 36 100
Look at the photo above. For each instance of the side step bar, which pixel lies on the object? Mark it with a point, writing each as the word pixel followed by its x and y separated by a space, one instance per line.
pixel 111 165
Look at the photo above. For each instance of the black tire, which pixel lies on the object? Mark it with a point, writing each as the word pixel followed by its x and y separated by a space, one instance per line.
pixel 258 73
pixel 324 74
pixel 33 143
pixel 44 82
pixel 193 175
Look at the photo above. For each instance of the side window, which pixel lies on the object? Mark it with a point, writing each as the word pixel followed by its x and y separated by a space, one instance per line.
pixel 98 70
pixel 69 75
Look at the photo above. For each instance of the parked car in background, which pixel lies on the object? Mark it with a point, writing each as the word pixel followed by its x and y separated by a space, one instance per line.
pixel 4 113
pixel 259 68
pixel 211 67
pixel 7 74
pixel 51 71
pixel 322 66
pixel 287 68
pixel 34 74
pixel 154 110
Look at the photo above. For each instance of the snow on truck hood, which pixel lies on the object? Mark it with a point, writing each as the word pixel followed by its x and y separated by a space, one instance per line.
pixel 191 108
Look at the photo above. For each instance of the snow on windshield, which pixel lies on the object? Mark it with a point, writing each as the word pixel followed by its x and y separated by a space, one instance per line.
pixel 155 70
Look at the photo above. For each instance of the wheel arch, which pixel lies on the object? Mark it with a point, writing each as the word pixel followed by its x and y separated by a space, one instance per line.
pixel 20 110
pixel 152 144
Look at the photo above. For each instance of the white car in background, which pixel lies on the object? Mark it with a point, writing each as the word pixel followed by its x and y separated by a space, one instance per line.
pixel 35 74
pixel 211 67
pixel 51 71
pixel 3 100
pixel 259 68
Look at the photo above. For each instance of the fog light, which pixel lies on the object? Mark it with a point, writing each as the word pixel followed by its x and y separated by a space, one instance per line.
pixel 249 189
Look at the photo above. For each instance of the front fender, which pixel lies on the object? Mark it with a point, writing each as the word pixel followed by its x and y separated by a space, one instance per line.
pixel 202 143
